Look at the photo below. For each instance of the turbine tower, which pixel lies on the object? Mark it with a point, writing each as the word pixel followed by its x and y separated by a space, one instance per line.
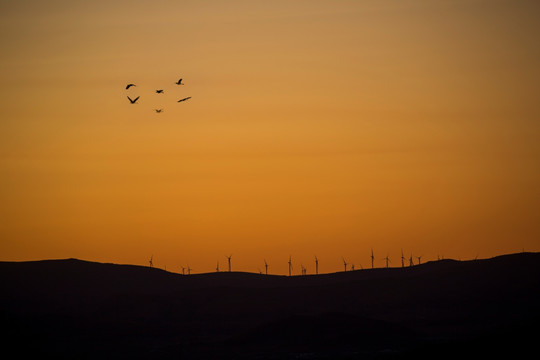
pixel 402 259
pixel 266 266
pixel 410 261
pixel 372 259
pixel 151 261
pixel 217 267
pixel 188 270
pixel 290 265
pixel 316 266
pixel 183 270
pixel 344 263
pixel 229 260
pixel 419 258
pixel 387 261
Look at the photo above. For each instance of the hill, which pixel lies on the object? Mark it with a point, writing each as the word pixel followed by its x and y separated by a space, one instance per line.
pixel 78 309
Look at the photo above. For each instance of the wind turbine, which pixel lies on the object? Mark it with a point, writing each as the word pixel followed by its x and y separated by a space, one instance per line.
pixel 188 270
pixel 352 267
pixel 387 261
pixel 228 257
pixel 344 263
pixel 419 258
pixel 266 266
pixel 372 259
pixel 217 267
pixel 402 259
pixel 183 270
pixel 290 265
pixel 303 269
pixel 316 266
pixel 410 261
pixel 151 262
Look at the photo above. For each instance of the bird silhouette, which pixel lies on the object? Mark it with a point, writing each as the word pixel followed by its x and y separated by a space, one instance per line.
pixel 130 85
pixel 184 99
pixel 133 101
pixel 159 91
pixel 159 110
pixel 179 82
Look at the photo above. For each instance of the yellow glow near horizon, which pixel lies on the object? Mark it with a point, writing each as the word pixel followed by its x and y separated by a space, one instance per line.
pixel 315 128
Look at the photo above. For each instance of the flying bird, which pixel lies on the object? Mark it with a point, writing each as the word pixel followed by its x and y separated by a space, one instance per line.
pixel 133 101
pixel 179 82
pixel 130 85
pixel 184 99
pixel 159 110
pixel 159 91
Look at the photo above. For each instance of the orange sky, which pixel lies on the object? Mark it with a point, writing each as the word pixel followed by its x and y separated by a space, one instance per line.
pixel 315 128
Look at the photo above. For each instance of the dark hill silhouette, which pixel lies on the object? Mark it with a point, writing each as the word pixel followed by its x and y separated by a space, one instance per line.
pixel 80 309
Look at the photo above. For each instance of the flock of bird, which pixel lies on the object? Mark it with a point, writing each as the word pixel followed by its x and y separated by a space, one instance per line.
pixel 158 91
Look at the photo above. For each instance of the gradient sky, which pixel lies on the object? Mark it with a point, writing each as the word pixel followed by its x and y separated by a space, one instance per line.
pixel 315 128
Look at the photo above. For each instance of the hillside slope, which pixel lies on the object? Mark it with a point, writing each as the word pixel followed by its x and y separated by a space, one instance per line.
pixel 94 310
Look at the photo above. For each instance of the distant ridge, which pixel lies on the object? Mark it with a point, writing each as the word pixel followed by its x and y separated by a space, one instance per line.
pixel 63 306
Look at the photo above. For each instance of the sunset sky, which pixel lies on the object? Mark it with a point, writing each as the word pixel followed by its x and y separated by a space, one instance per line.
pixel 315 128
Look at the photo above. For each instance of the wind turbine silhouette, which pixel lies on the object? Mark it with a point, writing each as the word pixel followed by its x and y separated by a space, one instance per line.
pixel 188 270
pixel 402 259
pixel 266 266
pixel 352 267
pixel 303 269
pixel 372 259
pixel 217 267
pixel 316 266
pixel 183 270
pixel 344 263
pixel 419 258
pixel 290 265
pixel 151 262
pixel 410 261
pixel 228 257
pixel 387 261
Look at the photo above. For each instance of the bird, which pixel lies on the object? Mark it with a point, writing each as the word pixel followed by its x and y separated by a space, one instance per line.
pixel 184 99
pixel 159 91
pixel 159 110
pixel 179 82
pixel 130 85
pixel 133 101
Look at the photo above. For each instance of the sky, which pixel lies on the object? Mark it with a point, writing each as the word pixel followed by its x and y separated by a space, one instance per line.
pixel 315 128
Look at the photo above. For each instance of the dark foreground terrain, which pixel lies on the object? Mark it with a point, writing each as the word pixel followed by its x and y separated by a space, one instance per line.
pixel 444 309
